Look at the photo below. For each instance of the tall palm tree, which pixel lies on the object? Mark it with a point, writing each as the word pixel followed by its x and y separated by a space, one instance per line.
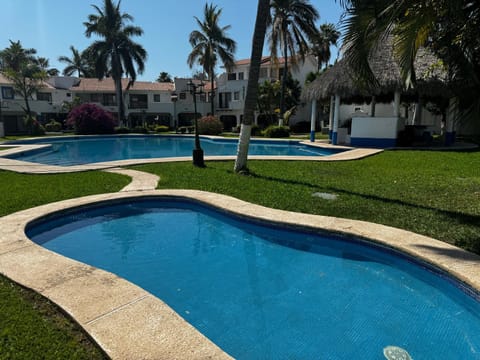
pixel 209 43
pixel 328 35
pixel 258 40
pixel 116 54
pixel 77 63
pixel 44 65
pixel 292 29
pixel 15 55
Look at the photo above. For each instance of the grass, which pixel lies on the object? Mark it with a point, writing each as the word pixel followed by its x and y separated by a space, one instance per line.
pixel 432 193
pixel 31 327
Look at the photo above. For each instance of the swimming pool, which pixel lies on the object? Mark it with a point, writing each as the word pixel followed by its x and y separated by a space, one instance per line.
pixel 94 149
pixel 260 291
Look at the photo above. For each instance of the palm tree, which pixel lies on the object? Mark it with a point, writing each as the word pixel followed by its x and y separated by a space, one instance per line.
pixel 292 28
pixel 77 63
pixel 164 77
pixel 328 35
pixel 117 53
pixel 258 40
pixel 209 43
pixel 15 55
pixel 44 65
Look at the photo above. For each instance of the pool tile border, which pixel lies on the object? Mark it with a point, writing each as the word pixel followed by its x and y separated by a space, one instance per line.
pixel 128 322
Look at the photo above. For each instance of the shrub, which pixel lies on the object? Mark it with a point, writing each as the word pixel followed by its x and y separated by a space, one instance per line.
pixel 209 125
pixel 186 129
pixel 140 130
pixel 53 126
pixel 122 130
pixel 91 119
pixel 300 127
pixel 161 128
pixel 274 131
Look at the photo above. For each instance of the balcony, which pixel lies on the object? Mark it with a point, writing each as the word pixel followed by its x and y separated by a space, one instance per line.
pixel 138 105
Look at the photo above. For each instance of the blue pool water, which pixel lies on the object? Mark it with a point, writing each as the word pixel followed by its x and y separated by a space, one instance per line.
pixel 263 292
pixel 109 148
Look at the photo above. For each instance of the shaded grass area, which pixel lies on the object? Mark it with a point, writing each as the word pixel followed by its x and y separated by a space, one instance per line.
pixel 432 193
pixel 31 327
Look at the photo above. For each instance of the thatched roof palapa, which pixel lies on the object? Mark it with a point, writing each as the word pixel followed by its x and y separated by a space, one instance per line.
pixel 340 78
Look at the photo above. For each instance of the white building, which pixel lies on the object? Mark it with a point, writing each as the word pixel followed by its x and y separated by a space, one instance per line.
pixel 231 88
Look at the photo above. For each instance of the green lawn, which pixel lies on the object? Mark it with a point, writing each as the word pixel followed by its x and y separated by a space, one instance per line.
pixel 432 193
pixel 30 326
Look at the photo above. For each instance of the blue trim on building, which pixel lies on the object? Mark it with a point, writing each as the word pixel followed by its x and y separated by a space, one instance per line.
pixel 334 138
pixel 330 134
pixel 312 135
pixel 372 142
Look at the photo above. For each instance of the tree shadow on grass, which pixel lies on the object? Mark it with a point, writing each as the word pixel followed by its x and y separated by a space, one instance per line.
pixel 459 217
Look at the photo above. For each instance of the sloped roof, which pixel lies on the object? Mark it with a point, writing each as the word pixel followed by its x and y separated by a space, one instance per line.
pixel 108 85
pixel 4 80
pixel 340 79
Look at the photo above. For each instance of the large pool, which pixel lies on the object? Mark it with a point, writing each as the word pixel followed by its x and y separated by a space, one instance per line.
pixel 86 150
pixel 264 292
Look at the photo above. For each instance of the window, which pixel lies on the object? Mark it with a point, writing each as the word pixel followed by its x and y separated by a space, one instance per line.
pixel 240 76
pixel 95 98
pixel 44 96
pixel 263 73
pixel 183 96
pixel 138 101
pixel 7 92
pixel 69 95
pixel 224 100
pixel 109 100
pixel 232 76
pixel 236 95
pixel 156 97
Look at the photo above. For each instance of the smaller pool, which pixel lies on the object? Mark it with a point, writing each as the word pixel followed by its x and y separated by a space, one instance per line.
pixel 87 150
pixel 264 292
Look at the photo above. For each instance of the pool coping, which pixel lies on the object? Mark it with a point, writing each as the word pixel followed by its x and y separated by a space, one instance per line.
pixel 37 168
pixel 128 322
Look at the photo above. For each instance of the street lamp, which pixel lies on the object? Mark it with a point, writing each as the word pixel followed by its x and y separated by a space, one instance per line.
pixel 197 151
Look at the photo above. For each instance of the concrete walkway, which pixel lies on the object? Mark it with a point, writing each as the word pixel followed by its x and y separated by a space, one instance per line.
pixel 141 181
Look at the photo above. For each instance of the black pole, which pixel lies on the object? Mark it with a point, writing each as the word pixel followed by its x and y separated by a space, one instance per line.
pixel 197 151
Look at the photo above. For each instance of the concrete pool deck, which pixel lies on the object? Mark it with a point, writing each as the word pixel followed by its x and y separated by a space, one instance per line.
pixel 130 323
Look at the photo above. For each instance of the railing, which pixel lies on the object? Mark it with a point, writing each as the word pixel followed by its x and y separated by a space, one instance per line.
pixel 138 105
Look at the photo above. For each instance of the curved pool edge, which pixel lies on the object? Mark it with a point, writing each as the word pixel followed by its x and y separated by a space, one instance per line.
pixel 128 322
pixel 26 167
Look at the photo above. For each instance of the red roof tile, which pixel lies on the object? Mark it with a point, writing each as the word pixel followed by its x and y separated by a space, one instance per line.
pixel 107 84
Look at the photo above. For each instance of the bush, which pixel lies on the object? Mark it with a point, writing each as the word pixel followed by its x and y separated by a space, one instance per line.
pixel 122 130
pixel 186 129
pixel 53 126
pixel 140 130
pixel 300 127
pixel 91 119
pixel 209 125
pixel 161 128
pixel 274 131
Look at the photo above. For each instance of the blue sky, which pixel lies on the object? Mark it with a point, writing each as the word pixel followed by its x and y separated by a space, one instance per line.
pixel 51 26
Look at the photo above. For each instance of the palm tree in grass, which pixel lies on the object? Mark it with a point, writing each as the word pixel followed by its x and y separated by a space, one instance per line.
pixel 327 36
pixel 75 64
pixel 209 43
pixel 258 40
pixel 116 53
pixel 292 29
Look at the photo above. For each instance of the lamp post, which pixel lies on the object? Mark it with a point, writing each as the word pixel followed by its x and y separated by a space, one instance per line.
pixel 197 151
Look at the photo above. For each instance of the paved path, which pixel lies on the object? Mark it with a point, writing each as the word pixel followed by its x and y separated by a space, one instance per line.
pixel 141 181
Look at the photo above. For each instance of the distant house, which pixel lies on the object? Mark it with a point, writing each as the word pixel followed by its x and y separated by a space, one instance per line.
pixel 231 88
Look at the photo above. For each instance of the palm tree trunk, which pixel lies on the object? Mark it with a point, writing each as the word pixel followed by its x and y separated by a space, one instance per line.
pixel 212 94
pixel 252 85
pixel 284 81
